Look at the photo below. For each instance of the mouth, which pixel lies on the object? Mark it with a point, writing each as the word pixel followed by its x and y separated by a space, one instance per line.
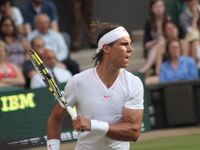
pixel 127 57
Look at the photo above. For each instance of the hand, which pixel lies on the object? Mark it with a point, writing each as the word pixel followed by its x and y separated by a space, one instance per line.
pixel 82 124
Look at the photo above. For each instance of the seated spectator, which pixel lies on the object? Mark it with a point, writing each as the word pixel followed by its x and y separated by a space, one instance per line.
pixel 10 74
pixel 153 37
pixel 38 45
pixel 31 8
pixel 188 18
pixel 52 39
pixel 177 67
pixel 60 75
pixel 193 37
pixel 170 32
pixel 15 43
pixel 8 10
pixel 28 69
pixel 55 41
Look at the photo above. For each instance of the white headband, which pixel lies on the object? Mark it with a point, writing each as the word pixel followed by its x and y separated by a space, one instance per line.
pixel 111 36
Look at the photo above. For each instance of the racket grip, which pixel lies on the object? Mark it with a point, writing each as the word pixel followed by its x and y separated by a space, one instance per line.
pixel 72 113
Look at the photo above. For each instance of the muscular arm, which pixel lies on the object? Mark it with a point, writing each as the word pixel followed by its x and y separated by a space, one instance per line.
pixel 55 120
pixel 129 129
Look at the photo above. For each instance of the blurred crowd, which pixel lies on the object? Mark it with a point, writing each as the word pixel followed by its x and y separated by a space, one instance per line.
pixel 171 49
pixel 34 24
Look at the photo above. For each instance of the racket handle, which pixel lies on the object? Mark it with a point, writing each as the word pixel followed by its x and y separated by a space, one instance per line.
pixel 72 113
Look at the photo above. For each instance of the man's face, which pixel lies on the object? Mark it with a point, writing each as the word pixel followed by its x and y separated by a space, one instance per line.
pixel 38 46
pixel 120 52
pixel 171 31
pixel 42 23
pixel 174 49
pixel 192 4
pixel 49 58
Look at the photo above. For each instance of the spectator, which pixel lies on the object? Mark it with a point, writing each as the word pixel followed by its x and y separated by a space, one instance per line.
pixel 170 32
pixel 52 39
pixel 55 41
pixel 193 37
pixel 177 67
pixel 153 37
pixel 82 11
pixel 8 10
pixel 31 8
pixel 16 44
pixel 188 18
pixel 28 69
pixel 60 75
pixel 10 74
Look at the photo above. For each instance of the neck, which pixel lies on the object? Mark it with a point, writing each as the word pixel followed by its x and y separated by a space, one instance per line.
pixel 108 74
pixel 174 62
pixel 43 32
pixel 175 59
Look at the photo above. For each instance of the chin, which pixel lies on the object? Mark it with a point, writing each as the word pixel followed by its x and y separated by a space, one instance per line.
pixel 125 66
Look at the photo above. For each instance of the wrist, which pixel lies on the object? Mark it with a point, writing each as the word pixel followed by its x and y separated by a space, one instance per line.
pixel 53 144
pixel 99 127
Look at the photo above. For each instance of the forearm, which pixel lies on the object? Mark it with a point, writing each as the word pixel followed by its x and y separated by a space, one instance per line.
pixel 13 82
pixel 124 131
pixel 150 44
pixel 54 127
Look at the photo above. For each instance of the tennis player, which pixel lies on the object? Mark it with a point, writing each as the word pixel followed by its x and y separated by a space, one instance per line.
pixel 109 99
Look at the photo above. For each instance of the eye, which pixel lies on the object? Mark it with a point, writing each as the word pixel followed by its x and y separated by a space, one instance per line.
pixel 124 43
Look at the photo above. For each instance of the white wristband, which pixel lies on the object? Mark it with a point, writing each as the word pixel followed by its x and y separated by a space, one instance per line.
pixel 53 144
pixel 99 127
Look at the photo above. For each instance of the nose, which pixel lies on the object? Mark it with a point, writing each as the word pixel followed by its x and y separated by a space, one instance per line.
pixel 130 48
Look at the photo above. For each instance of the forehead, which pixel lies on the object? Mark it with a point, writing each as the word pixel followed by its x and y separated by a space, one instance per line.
pixel 124 39
pixel 174 43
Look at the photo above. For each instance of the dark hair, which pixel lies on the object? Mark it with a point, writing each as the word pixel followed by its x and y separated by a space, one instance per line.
pixel 168 45
pixel 34 39
pixel 105 28
pixel 14 28
pixel 165 24
pixel 152 17
pixel 4 2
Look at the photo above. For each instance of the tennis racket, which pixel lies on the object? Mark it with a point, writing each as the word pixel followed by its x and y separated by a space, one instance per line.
pixel 49 81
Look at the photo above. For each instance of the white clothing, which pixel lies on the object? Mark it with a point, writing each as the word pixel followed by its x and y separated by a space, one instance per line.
pixel 53 40
pixel 17 16
pixel 95 101
pixel 62 75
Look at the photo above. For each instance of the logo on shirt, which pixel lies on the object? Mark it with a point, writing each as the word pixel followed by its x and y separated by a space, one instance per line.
pixel 107 97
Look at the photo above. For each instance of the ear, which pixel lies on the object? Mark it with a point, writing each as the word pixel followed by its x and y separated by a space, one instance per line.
pixel 106 48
